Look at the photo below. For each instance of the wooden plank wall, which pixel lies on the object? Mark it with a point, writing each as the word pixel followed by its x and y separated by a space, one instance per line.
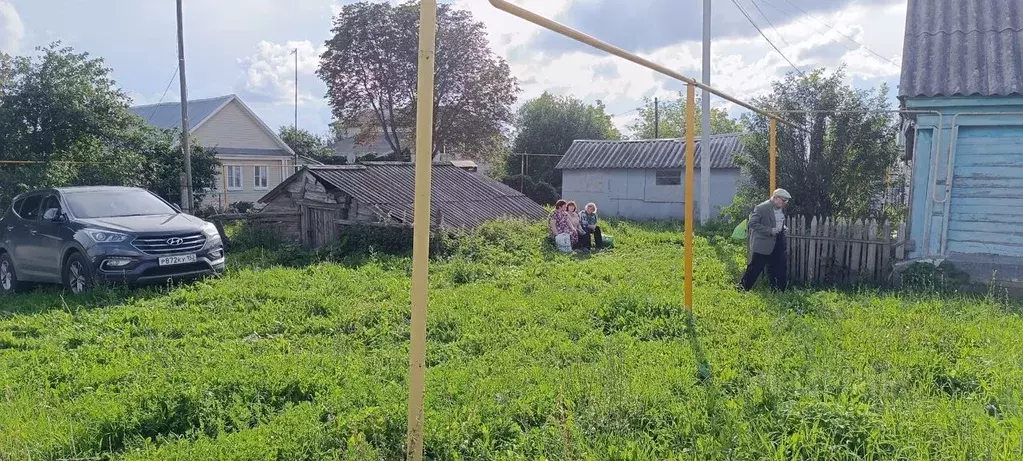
pixel 828 251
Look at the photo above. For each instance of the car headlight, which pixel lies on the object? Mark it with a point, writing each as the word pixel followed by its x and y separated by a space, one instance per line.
pixel 106 237
pixel 210 230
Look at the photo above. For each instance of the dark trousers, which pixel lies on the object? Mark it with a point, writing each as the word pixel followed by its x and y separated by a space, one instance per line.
pixel 776 264
pixel 585 240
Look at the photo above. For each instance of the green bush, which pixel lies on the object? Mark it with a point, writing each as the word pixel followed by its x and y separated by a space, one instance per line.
pixel 247 236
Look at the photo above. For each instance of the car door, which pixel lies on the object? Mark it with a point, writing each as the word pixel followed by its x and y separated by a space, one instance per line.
pixel 11 230
pixel 23 240
pixel 48 242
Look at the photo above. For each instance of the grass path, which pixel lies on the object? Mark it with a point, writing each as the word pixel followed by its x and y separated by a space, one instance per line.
pixel 532 355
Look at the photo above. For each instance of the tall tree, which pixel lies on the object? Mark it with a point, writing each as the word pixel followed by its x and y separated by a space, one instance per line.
pixel 64 119
pixel 546 127
pixel 370 71
pixel 307 145
pixel 672 117
pixel 838 161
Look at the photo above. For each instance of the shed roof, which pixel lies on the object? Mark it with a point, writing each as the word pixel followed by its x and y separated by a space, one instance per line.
pixel 645 154
pixel 962 48
pixel 462 198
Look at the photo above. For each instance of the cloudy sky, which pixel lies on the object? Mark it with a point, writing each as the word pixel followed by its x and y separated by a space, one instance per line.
pixel 244 46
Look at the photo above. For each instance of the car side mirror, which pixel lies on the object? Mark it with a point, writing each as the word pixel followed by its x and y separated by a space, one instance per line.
pixel 176 207
pixel 54 215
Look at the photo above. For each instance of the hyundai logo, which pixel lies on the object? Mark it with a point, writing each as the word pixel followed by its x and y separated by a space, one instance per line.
pixel 175 241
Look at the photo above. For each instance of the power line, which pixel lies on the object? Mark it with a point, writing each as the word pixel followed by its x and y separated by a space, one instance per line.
pixel 629 110
pixel 829 26
pixel 165 90
pixel 786 42
pixel 742 10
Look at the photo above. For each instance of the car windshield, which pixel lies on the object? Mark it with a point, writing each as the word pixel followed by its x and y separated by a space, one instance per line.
pixel 115 203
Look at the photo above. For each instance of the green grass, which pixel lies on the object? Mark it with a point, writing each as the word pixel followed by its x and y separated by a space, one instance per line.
pixel 532 355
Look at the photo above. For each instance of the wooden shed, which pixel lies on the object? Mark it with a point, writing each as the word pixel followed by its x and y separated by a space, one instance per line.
pixel 324 198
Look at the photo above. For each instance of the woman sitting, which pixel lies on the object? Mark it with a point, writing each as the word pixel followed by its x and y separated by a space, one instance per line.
pixel 560 223
pixel 588 226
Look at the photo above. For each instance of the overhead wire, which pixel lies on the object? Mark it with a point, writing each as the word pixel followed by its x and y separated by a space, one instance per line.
pixel 750 18
pixel 626 112
pixel 835 30
pixel 773 27
pixel 165 90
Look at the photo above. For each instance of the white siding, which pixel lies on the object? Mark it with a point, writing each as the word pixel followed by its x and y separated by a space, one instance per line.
pixel 634 194
pixel 233 127
pixel 249 193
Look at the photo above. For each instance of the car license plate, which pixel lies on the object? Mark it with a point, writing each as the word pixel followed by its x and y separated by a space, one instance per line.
pixel 175 260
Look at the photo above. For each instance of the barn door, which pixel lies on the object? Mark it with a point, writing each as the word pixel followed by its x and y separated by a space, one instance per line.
pixel 323 227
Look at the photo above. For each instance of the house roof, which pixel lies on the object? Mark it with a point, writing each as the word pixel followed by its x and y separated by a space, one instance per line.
pixel 962 48
pixel 462 198
pixel 646 154
pixel 348 145
pixel 167 116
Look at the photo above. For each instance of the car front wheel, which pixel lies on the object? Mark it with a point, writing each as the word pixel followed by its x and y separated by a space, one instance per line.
pixel 77 275
pixel 8 277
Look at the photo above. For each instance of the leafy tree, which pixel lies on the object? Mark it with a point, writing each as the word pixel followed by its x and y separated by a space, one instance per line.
pixel 306 144
pixel 165 162
pixel 370 71
pixel 672 120
pixel 838 162
pixel 546 127
pixel 62 116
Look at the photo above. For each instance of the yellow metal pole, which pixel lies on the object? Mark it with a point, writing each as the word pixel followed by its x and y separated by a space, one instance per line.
pixel 421 230
pixel 690 195
pixel 774 155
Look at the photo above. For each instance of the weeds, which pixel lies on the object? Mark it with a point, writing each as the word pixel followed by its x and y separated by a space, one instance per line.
pixel 302 355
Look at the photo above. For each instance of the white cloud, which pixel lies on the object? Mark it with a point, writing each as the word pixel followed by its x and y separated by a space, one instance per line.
pixel 744 68
pixel 269 74
pixel 12 30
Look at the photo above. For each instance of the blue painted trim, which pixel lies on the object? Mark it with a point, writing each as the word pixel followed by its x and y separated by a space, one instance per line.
pixel 960 102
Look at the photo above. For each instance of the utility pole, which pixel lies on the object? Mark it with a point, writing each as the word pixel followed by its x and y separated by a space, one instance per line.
pixel 185 146
pixel 657 119
pixel 296 103
pixel 707 131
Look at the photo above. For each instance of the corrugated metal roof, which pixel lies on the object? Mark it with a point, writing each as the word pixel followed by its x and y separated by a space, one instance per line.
pixel 168 115
pixel 462 198
pixel 963 48
pixel 646 154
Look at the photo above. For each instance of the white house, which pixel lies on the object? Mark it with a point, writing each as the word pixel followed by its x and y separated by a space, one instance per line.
pixel 643 179
pixel 254 159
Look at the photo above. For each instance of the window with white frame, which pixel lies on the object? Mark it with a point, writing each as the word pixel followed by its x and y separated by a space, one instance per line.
pixel 669 177
pixel 234 178
pixel 259 177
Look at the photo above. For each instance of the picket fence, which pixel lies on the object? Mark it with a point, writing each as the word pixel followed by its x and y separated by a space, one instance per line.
pixel 827 251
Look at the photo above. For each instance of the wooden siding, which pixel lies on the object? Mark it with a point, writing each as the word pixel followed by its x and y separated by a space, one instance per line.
pixel 987 180
pixel 233 127
pixel 987 192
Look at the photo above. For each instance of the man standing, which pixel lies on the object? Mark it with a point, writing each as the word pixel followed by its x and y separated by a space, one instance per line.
pixel 767 242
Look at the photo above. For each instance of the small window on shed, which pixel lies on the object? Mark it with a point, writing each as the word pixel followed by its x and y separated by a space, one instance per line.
pixel 669 177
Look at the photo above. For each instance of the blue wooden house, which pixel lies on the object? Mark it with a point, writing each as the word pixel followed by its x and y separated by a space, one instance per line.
pixel 962 90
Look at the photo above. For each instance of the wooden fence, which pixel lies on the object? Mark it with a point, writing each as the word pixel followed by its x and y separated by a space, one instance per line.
pixel 825 251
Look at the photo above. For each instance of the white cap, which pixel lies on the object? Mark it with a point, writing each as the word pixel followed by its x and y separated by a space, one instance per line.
pixel 782 193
